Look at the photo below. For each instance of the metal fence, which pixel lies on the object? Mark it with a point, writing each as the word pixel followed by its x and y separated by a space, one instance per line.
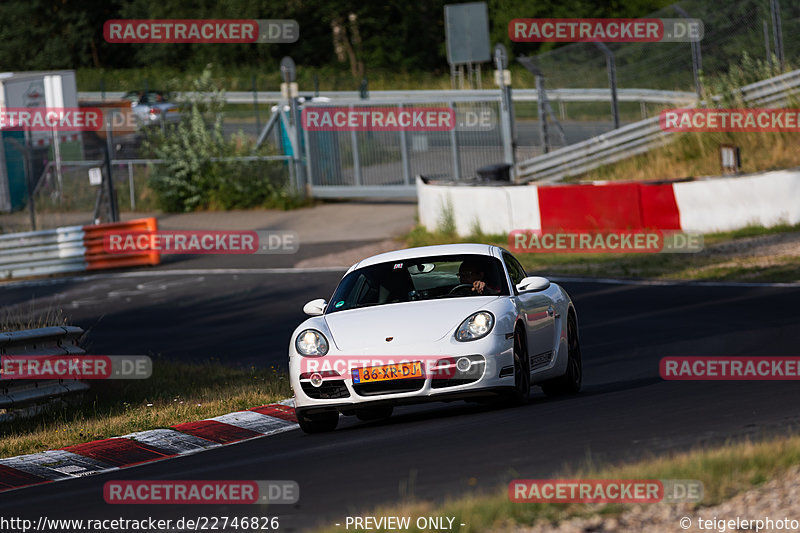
pixel 63 195
pixel 365 163
pixel 731 28
pixel 641 136
pixel 520 95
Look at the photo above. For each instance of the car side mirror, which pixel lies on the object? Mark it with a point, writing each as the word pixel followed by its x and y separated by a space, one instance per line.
pixel 315 307
pixel 533 283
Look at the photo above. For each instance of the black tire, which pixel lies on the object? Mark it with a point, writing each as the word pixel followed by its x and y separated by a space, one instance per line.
pixel 369 414
pixel 522 371
pixel 570 382
pixel 319 422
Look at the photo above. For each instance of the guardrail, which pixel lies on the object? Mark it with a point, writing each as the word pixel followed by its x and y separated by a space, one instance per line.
pixel 69 249
pixel 772 91
pixel 638 137
pixel 604 149
pixel 24 397
pixel 521 95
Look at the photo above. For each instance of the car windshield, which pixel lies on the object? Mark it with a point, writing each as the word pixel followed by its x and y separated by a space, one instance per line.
pixel 421 278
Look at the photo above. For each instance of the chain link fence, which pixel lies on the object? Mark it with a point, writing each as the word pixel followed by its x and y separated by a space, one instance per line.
pixel 379 158
pixel 731 29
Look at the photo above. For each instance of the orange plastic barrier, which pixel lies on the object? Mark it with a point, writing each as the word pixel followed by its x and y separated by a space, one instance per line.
pixel 96 256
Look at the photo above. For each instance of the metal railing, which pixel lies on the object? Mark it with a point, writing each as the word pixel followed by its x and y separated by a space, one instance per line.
pixel 69 249
pixel 638 137
pixel 522 95
pixel 42 252
pixel 384 163
pixel 22 397
pixel 53 170
pixel 773 91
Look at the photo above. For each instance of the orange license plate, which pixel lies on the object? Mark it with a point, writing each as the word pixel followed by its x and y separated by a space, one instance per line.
pixel 373 374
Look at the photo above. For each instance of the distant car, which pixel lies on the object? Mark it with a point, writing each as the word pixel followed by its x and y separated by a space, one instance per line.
pixel 153 108
pixel 437 323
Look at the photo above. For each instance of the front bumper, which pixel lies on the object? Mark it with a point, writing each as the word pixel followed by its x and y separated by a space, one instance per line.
pixel 491 369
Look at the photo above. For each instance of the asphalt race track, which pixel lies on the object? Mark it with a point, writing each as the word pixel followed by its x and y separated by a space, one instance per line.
pixel 624 411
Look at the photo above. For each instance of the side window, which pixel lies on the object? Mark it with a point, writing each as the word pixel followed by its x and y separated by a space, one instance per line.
pixel 515 270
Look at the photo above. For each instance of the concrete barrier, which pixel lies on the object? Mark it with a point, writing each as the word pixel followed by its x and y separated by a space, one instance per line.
pixel 706 205
pixel 495 209
pixel 713 205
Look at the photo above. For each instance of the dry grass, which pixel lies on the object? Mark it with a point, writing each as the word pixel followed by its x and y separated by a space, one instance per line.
pixel 697 154
pixel 176 393
pixel 749 254
pixel 30 317
pixel 724 471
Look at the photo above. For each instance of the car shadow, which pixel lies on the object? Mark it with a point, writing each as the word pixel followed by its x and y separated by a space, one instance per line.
pixel 438 410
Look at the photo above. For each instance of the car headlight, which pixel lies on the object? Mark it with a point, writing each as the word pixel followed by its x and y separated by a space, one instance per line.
pixel 475 327
pixel 311 342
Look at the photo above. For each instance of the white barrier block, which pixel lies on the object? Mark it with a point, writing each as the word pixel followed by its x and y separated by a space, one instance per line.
pixel 726 204
pixel 494 209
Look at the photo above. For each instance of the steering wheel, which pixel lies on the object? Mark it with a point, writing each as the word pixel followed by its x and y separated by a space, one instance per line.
pixel 460 288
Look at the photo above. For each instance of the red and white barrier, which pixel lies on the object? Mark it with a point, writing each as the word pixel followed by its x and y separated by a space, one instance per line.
pixel 108 455
pixel 706 205
pixel 47 140
pixel 70 249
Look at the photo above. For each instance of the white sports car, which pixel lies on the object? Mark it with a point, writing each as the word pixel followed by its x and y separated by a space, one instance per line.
pixel 437 323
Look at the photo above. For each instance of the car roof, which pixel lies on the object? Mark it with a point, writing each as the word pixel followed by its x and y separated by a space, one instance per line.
pixel 150 91
pixel 428 251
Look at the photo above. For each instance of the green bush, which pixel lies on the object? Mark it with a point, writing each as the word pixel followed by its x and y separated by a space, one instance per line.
pixel 197 175
pixel 746 71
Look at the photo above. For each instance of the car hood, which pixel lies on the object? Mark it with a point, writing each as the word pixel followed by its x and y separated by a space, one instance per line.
pixel 358 331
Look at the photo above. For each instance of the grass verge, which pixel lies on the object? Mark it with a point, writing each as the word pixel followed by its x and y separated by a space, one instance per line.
pixel 724 471
pixel 177 392
pixel 753 254
pixel 697 154
pixel 20 318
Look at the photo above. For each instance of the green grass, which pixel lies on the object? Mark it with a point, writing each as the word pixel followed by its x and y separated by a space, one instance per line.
pixel 705 265
pixel 176 392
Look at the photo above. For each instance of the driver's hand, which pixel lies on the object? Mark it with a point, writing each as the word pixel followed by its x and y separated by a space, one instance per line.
pixel 478 286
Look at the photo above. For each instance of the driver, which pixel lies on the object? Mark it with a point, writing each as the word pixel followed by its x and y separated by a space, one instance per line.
pixel 472 272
